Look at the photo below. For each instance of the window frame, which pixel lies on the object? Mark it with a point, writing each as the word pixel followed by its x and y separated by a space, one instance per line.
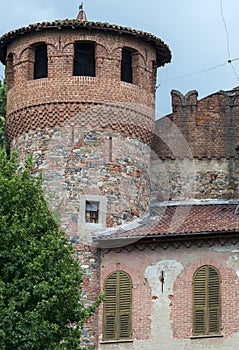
pixel 79 69
pixel 207 301
pixel 10 71
pixel 128 68
pixel 40 60
pixel 102 209
pixel 92 212
pixel 117 313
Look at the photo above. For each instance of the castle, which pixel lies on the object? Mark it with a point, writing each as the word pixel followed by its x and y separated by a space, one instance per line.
pixel 150 207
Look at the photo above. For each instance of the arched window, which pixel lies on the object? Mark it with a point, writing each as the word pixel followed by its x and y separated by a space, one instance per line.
pixel 117 306
pixel 206 301
pixel 41 61
pixel 9 71
pixel 84 59
pixel 127 65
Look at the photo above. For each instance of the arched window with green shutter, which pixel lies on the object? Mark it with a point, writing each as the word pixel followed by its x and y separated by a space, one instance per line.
pixel 117 306
pixel 206 301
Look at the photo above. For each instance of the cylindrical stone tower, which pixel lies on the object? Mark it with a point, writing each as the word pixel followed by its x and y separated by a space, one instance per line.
pixel 81 99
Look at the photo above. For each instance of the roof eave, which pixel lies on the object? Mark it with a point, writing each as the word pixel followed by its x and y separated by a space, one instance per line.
pixel 162 50
pixel 101 243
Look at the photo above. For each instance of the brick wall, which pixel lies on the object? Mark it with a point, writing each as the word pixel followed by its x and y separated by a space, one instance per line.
pixel 210 126
pixel 162 319
pixel 194 150
pixel 28 98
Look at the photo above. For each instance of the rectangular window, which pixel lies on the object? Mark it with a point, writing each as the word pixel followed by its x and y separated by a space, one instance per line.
pixel 92 212
pixel 84 59
pixel 9 71
pixel 93 209
pixel 126 66
pixel 41 63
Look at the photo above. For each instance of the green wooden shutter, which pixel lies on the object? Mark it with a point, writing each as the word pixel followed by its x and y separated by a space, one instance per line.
pixel 206 301
pixel 125 290
pixel 199 302
pixel 117 306
pixel 213 301
pixel 110 307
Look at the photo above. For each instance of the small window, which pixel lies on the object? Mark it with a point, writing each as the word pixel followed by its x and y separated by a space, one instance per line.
pixel 206 301
pixel 84 59
pixel 154 76
pixel 92 212
pixel 117 306
pixel 40 65
pixel 9 71
pixel 93 209
pixel 126 66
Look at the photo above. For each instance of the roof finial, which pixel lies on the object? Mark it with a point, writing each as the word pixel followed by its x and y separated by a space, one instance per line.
pixel 81 15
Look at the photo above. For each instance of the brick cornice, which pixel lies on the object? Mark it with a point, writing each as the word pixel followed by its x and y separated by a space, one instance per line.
pixel 186 241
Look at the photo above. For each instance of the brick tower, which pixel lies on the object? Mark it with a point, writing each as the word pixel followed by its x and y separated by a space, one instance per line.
pixel 81 99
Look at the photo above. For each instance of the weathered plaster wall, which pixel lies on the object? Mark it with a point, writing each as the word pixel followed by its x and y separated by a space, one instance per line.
pixel 162 319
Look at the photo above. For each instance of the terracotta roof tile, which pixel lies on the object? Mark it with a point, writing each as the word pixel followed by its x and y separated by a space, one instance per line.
pixel 162 50
pixel 178 221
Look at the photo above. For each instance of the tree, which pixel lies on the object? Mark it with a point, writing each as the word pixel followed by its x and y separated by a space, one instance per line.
pixel 3 102
pixel 40 295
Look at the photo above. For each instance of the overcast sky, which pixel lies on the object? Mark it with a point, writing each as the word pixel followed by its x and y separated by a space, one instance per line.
pixel 194 30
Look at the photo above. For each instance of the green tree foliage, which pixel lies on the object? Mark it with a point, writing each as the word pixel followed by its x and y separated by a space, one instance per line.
pixel 40 295
pixel 3 102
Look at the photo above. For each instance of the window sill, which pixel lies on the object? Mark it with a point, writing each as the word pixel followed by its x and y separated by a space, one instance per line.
pixel 40 78
pixel 84 77
pixel 116 341
pixel 92 227
pixel 207 336
pixel 128 84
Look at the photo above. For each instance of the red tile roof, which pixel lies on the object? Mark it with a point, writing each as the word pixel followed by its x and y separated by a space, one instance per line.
pixel 178 221
pixel 162 50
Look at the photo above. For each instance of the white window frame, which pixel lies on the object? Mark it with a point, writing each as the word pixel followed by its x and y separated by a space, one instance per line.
pixel 102 212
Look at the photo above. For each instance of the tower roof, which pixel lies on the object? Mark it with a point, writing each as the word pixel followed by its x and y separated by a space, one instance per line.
pixel 162 50
pixel 81 15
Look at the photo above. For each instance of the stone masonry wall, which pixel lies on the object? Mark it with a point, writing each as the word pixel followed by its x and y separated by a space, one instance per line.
pixel 90 162
pixel 207 179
